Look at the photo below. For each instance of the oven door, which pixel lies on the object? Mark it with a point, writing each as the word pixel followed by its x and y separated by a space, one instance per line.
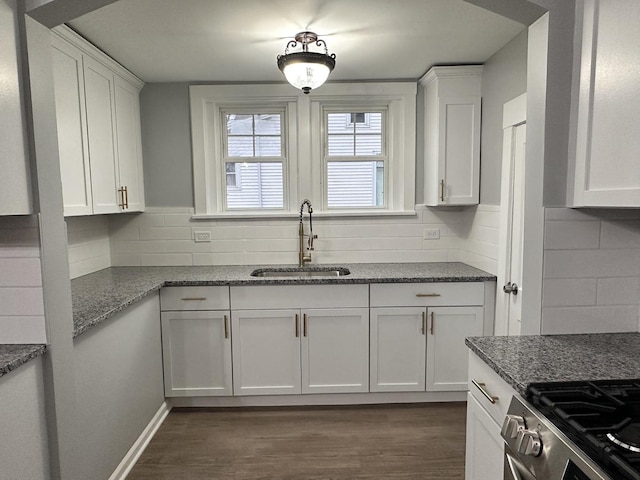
pixel 514 469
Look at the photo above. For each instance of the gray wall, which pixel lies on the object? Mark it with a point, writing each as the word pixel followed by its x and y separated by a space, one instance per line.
pixel 119 387
pixel 504 77
pixel 166 145
pixel 23 450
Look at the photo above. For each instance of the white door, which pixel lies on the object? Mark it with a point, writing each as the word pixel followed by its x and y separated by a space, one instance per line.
pixel 335 350
pixel 99 92
pixel 485 448
pixel 447 354
pixel 196 349
pixel 127 99
pixel 398 349
pixel 266 352
pixel 510 288
pixel 72 128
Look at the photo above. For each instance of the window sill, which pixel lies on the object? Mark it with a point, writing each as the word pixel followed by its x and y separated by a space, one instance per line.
pixel 316 214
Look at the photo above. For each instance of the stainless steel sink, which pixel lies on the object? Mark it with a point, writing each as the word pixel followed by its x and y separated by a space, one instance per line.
pixel 301 272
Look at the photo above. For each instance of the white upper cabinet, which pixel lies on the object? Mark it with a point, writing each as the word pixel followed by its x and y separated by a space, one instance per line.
pixel 15 186
pixel 452 101
pixel 98 115
pixel 606 107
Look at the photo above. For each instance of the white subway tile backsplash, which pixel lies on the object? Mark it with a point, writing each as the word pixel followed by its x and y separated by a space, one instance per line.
pixel 125 260
pixel 138 246
pixel 165 233
pixel 591 263
pixel 88 244
pixel 21 301
pixel 165 260
pixel 22 329
pixel 572 234
pixel 619 291
pixel 562 292
pixel 620 235
pixel 600 319
pixel 20 272
pixel 218 259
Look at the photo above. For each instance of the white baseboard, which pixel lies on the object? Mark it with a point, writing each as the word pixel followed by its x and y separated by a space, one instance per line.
pixel 319 399
pixel 132 456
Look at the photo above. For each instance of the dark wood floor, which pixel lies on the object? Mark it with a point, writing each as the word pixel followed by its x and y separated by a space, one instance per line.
pixel 333 443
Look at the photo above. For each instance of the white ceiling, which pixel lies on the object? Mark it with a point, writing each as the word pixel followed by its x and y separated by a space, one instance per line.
pixel 238 40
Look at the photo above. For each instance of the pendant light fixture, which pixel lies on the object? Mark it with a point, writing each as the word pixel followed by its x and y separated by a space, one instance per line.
pixel 304 69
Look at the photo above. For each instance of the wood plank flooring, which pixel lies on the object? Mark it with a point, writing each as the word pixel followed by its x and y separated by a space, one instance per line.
pixel 424 441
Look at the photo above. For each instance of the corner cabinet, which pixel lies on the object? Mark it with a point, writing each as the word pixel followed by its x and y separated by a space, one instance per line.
pixel 15 184
pixel 300 339
pixel 604 141
pixel 452 102
pixel 196 341
pixel 417 343
pixel 99 136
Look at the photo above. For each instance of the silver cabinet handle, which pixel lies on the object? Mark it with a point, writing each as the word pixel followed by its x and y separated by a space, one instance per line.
pixel 480 386
pixel 424 323
pixel 297 326
pixel 194 299
pixel 226 326
pixel 442 190
pixel 427 295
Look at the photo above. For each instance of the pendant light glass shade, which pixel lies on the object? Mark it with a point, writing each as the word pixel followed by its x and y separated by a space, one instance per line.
pixel 306 70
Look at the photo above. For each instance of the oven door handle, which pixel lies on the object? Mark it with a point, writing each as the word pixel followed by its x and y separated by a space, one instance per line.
pixel 514 472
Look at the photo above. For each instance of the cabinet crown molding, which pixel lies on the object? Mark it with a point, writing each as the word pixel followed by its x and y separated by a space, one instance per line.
pixel 435 73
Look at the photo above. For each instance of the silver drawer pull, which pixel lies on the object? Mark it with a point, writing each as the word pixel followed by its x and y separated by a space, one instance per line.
pixel 427 294
pixel 480 386
pixel 193 299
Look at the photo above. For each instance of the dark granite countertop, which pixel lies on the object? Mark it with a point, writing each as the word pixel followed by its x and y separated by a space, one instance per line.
pixel 550 358
pixel 100 295
pixel 12 356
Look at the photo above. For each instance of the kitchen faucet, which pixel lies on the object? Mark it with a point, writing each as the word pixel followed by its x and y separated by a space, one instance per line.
pixel 302 258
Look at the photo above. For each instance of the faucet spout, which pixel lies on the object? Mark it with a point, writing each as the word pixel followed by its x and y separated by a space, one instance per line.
pixel 302 258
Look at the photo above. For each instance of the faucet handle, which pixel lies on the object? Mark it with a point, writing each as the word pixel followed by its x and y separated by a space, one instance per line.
pixel 310 242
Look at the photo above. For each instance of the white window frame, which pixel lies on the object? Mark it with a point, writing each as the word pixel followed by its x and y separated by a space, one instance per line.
pixel 383 157
pixel 303 130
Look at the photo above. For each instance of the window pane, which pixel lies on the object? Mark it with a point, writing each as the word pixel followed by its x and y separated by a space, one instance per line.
pixel 368 145
pixel 268 147
pixel 339 123
pixel 239 124
pixel 341 145
pixel 240 146
pixel 372 123
pixel 355 184
pixel 267 124
pixel 257 185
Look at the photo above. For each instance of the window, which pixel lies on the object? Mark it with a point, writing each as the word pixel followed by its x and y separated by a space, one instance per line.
pixel 253 160
pixel 258 150
pixel 354 159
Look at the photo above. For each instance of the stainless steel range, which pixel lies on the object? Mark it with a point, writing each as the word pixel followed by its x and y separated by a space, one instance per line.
pixel 574 431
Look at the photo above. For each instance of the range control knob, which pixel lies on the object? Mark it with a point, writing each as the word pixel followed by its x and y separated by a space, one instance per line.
pixel 529 443
pixel 512 425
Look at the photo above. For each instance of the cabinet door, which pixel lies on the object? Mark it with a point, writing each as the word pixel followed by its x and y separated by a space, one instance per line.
pixel 15 186
pixel 196 353
pixel 398 349
pixel 266 352
pixel 72 128
pixel 127 98
pixel 485 448
pixel 335 350
pixel 459 152
pixel 447 354
pixel 99 92
pixel 607 107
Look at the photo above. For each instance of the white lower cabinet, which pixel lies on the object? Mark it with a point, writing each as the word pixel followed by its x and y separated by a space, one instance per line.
pixel 483 459
pixel 266 352
pixel 335 350
pixel 296 351
pixel 422 348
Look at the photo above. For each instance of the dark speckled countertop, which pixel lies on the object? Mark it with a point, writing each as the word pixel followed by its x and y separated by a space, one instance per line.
pixel 554 358
pixel 12 356
pixel 100 295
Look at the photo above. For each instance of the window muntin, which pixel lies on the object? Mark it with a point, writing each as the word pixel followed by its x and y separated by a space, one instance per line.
pixel 254 160
pixel 355 159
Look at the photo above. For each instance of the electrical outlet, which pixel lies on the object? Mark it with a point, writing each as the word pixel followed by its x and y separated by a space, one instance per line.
pixel 431 234
pixel 202 237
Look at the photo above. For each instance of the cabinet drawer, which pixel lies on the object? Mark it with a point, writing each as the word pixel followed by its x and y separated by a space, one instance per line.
pixel 300 296
pixel 194 298
pixel 427 294
pixel 493 385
